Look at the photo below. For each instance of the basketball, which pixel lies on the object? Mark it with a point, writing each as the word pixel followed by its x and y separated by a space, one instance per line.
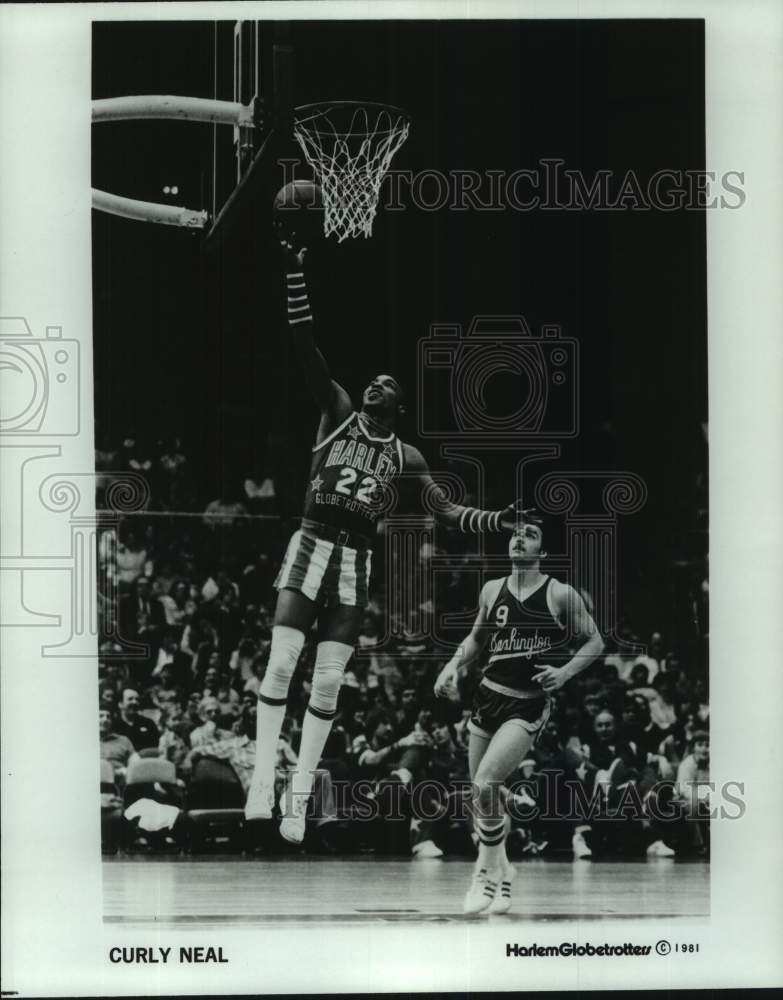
pixel 299 208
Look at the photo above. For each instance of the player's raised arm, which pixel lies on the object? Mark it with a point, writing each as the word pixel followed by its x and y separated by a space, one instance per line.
pixel 468 519
pixel 333 401
pixel 470 648
pixel 579 622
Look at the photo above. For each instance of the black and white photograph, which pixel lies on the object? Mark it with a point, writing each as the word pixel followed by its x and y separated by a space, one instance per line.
pixel 386 581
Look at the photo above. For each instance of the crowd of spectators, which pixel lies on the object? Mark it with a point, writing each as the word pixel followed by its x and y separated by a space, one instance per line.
pixel 187 606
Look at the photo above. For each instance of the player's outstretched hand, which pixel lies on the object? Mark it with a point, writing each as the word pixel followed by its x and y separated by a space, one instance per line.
pixel 293 254
pixel 509 518
pixel 513 516
pixel 446 684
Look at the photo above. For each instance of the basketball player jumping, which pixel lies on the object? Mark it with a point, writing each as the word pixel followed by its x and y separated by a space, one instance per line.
pixel 529 620
pixel 324 576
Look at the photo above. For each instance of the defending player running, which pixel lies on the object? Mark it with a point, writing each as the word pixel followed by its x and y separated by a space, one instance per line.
pixel 357 458
pixel 529 621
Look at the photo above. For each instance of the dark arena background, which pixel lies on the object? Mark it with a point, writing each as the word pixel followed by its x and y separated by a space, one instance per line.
pixel 197 392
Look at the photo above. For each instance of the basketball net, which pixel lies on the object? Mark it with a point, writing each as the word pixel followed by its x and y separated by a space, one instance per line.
pixel 350 148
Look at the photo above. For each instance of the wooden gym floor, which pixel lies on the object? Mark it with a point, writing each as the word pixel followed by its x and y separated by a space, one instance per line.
pixel 219 891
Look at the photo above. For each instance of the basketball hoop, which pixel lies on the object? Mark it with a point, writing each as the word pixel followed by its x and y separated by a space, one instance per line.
pixel 350 146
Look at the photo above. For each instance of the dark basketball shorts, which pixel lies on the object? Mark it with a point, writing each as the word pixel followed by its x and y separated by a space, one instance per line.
pixel 327 573
pixel 491 709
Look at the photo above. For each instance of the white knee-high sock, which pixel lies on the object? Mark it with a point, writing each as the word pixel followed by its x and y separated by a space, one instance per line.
pixel 330 662
pixel 491 855
pixel 492 835
pixel 286 646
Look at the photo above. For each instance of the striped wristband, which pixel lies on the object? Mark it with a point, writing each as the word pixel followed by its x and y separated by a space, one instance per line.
pixel 298 303
pixel 478 521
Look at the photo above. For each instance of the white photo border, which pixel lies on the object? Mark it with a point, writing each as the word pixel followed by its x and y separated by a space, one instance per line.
pixel 53 938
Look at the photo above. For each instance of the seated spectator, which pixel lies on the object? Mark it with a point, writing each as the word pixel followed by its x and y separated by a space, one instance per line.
pixel 228 699
pixel 595 702
pixel 241 661
pixel 131 559
pixel 639 729
pixel 108 698
pixel 611 763
pixel 701 698
pixel 200 641
pixel 623 658
pixel 115 748
pixel 651 659
pixel 639 681
pixel 447 762
pixel 165 692
pixel 170 610
pixel 208 731
pixel 238 748
pixel 693 774
pixel 663 710
pixel 191 718
pixel 249 701
pixel 211 681
pixel 406 715
pixel 180 595
pixel 693 792
pixel 391 765
pixel 253 684
pixel 142 617
pixel 141 731
pixel 172 743
pixel 606 746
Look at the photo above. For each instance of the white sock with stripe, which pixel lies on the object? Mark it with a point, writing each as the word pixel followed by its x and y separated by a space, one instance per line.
pixel 272 697
pixel 492 834
pixel 330 662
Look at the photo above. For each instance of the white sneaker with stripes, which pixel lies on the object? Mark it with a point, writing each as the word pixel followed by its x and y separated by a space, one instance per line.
pixel 501 902
pixel 481 891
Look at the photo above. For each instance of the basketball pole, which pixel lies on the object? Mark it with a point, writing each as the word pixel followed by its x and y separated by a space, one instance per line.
pixel 148 211
pixel 155 106
pixel 194 109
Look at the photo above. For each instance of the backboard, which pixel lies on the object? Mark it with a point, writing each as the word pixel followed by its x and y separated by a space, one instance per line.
pixel 260 60
pixel 231 82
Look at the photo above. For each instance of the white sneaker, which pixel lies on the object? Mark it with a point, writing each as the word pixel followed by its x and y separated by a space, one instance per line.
pixel 579 844
pixel 260 801
pixel 659 850
pixel 502 901
pixel 426 849
pixel 292 825
pixel 482 890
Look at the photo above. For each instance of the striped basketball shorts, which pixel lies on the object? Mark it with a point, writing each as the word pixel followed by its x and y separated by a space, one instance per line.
pixel 327 573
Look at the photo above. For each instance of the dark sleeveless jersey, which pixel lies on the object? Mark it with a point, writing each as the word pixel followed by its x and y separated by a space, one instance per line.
pixel 525 635
pixel 349 471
